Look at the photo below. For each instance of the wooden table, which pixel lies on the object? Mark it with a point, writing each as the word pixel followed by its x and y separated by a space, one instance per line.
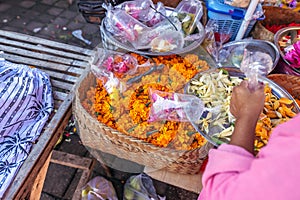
pixel 189 182
pixel 65 65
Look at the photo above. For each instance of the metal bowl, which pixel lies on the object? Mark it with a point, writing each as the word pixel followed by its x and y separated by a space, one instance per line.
pixel 211 136
pixel 252 45
pixel 291 31
pixel 112 43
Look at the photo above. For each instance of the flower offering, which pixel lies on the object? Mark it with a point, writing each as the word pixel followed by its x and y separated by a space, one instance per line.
pixel 149 27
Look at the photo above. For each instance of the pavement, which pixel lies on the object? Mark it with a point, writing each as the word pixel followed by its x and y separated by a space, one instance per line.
pixel 57 20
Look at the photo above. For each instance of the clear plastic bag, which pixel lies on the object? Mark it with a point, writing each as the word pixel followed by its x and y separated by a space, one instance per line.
pixel 255 64
pixel 98 189
pixel 189 12
pixel 111 66
pixel 210 40
pixel 124 26
pixel 140 187
pixel 215 38
pixel 174 107
pixel 170 25
pixel 160 14
pixel 167 41
pixel 115 62
pixel 141 10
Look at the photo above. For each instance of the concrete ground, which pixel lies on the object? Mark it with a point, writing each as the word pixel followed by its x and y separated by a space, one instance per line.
pixel 56 20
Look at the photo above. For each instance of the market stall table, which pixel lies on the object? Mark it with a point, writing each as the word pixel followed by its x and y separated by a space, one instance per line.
pixel 65 65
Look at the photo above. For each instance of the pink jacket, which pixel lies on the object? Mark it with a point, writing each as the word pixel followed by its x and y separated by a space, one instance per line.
pixel 235 174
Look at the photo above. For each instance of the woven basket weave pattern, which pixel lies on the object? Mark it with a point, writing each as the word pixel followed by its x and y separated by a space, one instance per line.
pixel 290 83
pixel 274 16
pixel 97 135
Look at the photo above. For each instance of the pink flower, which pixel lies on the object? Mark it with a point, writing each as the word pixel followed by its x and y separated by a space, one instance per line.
pixel 293 56
pixel 109 63
pixel 121 67
pixel 296 46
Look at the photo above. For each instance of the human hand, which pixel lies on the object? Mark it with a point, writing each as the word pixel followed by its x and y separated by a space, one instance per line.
pixel 246 103
pixel 246 106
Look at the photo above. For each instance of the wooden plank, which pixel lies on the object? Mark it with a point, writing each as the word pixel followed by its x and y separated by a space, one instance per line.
pixel 57 95
pixel 83 180
pixel 71 160
pixel 44 64
pixel 39 181
pixel 44 42
pixel 41 48
pixel 57 59
pixel 61 76
pixel 57 104
pixel 78 162
pixel 188 182
pixel 62 85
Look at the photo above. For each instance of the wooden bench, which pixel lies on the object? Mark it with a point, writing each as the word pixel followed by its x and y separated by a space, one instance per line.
pixel 65 65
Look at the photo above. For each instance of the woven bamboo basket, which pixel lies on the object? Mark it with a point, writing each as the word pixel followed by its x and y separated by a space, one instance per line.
pixel 274 16
pixel 290 83
pixel 99 136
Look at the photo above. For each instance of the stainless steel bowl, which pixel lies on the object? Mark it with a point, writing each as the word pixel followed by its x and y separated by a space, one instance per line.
pixel 211 136
pixel 112 43
pixel 252 45
pixel 288 31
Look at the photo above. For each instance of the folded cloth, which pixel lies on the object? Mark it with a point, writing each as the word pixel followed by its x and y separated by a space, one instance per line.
pixel 25 105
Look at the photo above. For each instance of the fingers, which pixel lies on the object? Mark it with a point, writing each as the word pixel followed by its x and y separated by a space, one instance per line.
pixel 244 83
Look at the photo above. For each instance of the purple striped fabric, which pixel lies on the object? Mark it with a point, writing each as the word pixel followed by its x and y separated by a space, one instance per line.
pixel 25 105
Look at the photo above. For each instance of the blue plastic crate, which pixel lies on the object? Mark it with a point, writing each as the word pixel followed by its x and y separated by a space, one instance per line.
pixel 228 17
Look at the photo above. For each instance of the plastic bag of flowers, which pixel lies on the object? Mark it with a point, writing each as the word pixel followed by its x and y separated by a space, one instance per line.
pixel 160 14
pixel 110 66
pixel 189 12
pixel 123 26
pixel 142 10
pixel 173 39
pixel 174 107
pixel 168 41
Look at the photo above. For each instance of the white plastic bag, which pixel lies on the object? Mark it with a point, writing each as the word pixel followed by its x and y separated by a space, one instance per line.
pixel 98 189
pixel 140 187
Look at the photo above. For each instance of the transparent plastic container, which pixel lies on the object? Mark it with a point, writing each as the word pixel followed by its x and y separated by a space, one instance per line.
pixel 189 12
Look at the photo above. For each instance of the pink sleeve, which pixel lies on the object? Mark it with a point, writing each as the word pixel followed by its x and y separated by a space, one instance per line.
pixel 232 171
pixel 235 160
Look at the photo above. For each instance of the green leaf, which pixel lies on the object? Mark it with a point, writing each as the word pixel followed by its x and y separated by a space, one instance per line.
pixel 225 72
pixel 112 108
pixel 97 114
pixel 132 128
pixel 170 80
pixel 151 132
pixel 190 133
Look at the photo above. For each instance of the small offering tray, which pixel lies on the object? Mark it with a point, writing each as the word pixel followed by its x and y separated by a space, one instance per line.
pixel 113 43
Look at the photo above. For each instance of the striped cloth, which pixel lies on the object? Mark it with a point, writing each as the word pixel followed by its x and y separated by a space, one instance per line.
pixel 25 105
